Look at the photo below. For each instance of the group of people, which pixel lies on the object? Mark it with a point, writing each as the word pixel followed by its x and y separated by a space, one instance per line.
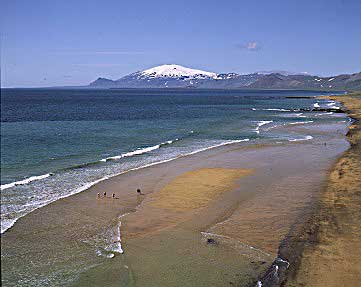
pixel 105 195
pixel 139 192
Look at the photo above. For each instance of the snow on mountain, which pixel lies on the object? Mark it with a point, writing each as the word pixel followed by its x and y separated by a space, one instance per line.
pixel 176 76
pixel 176 71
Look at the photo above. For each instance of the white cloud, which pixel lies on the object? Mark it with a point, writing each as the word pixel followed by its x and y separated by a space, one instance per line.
pixel 250 46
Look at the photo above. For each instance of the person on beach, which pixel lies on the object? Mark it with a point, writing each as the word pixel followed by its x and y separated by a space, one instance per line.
pixel 113 195
pixel 98 195
pixel 105 194
pixel 139 191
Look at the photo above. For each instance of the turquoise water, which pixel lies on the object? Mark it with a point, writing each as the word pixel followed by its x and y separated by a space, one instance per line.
pixel 55 143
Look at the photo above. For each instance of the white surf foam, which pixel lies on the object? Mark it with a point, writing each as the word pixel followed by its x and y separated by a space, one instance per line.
pixel 276 110
pixel 279 110
pixel 279 259
pixel 316 105
pixel 8 223
pixel 24 181
pixel 139 151
pixel 261 123
pixel 218 145
pixel 104 254
pixel 323 114
pixel 332 105
pixel 306 138
pixel 301 123
pixel 293 115
pixel 132 153
pixel 107 242
pixel 116 245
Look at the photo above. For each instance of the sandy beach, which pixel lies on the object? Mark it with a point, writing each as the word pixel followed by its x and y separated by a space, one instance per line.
pixel 216 217
pixel 180 144
pixel 330 242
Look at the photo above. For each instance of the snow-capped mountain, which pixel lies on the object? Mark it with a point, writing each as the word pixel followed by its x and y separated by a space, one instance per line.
pixel 176 71
pixel 176 76
pixel 165 76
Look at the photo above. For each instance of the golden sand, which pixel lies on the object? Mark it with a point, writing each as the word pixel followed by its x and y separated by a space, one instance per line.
pixel 196 189
pixel 180 199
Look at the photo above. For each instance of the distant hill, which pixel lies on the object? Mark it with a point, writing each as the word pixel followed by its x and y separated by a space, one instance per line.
pixel 176 76
pixel 278 81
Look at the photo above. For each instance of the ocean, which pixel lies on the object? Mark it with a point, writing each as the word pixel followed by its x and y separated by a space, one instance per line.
pixel 58 142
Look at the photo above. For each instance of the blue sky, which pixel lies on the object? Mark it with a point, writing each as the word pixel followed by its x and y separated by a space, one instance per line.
pixel 54 43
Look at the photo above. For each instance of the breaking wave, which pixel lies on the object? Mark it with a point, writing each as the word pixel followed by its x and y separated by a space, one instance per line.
pixel 24 181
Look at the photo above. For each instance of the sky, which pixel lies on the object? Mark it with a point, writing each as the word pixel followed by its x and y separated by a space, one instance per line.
pixel 61 43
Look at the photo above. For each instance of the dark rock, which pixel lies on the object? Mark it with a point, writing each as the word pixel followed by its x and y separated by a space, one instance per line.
pixel 212 241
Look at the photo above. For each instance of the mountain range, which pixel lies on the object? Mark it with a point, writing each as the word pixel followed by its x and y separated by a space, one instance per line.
pixel 176 76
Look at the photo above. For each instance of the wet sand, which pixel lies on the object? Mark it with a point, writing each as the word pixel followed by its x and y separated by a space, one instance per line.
pixel 238 204
pixel 331 240
pixel 181 199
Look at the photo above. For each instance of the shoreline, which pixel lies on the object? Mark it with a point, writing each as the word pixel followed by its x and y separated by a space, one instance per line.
pixel 91 184
pixel 337 225
pixel 313 257
pixel 257 204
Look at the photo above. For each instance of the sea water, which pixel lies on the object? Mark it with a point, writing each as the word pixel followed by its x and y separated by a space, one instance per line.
pixel 58 142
